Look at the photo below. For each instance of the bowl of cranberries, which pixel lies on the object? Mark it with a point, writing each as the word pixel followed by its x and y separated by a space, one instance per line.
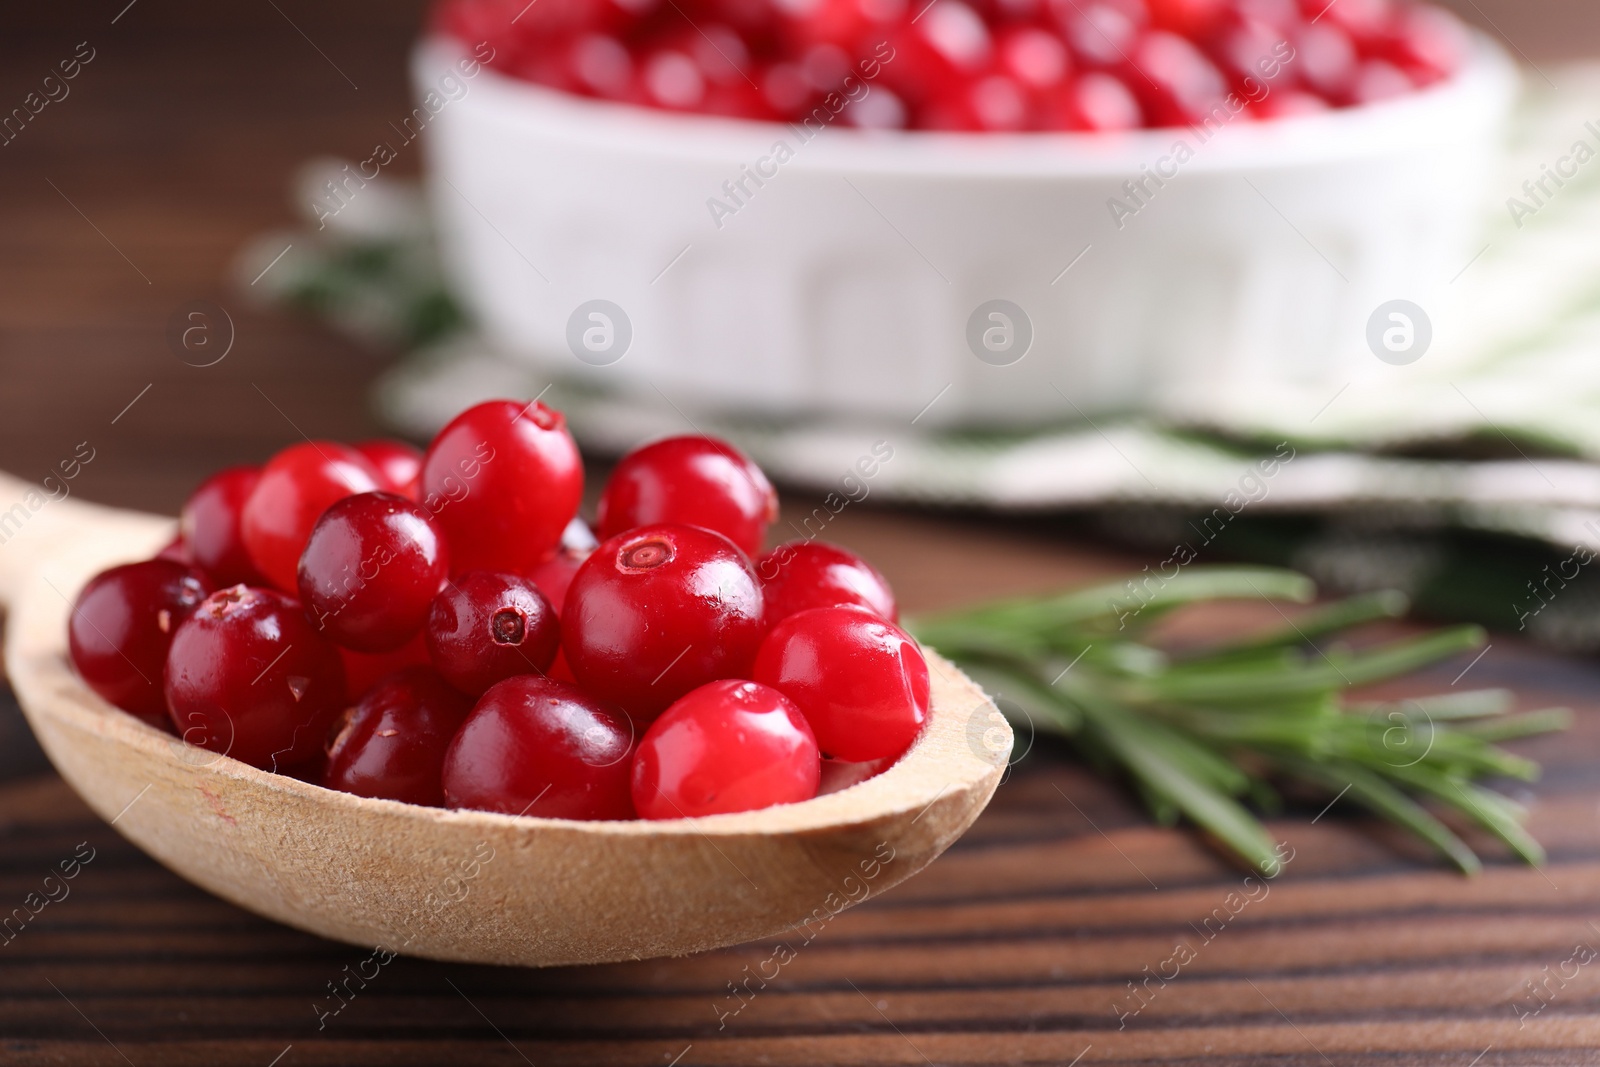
pixel 412 699
pixel 1033 209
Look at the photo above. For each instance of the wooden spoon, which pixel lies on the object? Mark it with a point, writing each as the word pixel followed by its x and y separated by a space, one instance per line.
pixel 464 885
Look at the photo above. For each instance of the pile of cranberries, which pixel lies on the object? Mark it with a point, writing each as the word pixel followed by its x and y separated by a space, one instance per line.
pixel 441 628
pixel 969 64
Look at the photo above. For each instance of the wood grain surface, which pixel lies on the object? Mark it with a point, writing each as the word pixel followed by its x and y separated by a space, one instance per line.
pixel 132 195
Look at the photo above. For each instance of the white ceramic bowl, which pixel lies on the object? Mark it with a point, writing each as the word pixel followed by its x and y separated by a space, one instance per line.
pixel 845 283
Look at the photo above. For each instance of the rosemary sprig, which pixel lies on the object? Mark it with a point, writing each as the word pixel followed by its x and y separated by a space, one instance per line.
pixel 1206 734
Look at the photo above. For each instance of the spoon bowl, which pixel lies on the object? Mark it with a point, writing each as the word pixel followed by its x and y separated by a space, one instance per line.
pixel 468 885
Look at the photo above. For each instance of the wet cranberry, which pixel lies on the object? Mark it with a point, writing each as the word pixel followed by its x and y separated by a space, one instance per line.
pixel 296 487
pixel 486 627
pixel 658 611
pixel 809 574
pixel 935 57
pixel 727 746
pixel 846 24
pixel 1368 21
pixel 362 670
pixel 1095 101
pixel 399 463
pixel 177 551
pixel 392 743
pixel 1325 60
pixel 861 682
pixel 1379 80
pixel 1099 33
pixel 211 523
pixel 1179 85
pixel 1428 44
pixel 554 576
pixel 122 625
pixel 838 775
pixel 533 746
pixel 1034 57
pixel 1281 103
pixel 249 677
pixel 503 479
pixel 370 570
pixel 695 481
pixel 979 65
pixel 1189 18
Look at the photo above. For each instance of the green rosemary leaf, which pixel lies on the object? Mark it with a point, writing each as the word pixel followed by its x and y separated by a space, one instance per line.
pixel 1329 672
pixel 1300 727
pixel 1495 813
pixel 1161 808
pixel 1379 797
pixel 1341 615
pixel 1171 766
pixel 1527 724
pixel 1200 732
pixel 1119 602
pixel 1023 700
pixel 1470 704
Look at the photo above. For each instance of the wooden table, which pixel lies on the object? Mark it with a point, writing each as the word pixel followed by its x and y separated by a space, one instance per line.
pixel 129 197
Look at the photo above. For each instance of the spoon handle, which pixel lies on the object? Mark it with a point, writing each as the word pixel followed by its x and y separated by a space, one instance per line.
pixel 37 526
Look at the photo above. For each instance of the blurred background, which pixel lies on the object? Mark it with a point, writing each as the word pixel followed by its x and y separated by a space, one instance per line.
pixel 176 148
pixel 151 185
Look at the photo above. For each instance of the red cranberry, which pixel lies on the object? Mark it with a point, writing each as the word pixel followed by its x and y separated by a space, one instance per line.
pixel 726 746
pixel 957 34
pixel 1095 101
pixel 1035 57
pixel 1188 18
pixel 392 743
pixel 1379 80
pixel 935 57
pixel 1253 53
pixel 602 66
pixel 1429 43
pixel 861 682
pixel 1099 33
pixel 249 677
pixel 486 627
pixel 503 478
pixel 999 103
pixel 399 463
pixel 966 64
pixel 1282 103
pixel 1180 86
pixel 533 746
pixel 1368 21
pixel 659 611
pixel 673 80
pixel 363 670
pixel 809 574
pixel 211 524
pixel 1280 14
pixel 177 551
pixel 296 487
pixel 1325 60
pixel 847 24
pixel 554 576
pixel 121 627
pixel 696 481
pixel 757 20
pixel 838 775
pixel 371 568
